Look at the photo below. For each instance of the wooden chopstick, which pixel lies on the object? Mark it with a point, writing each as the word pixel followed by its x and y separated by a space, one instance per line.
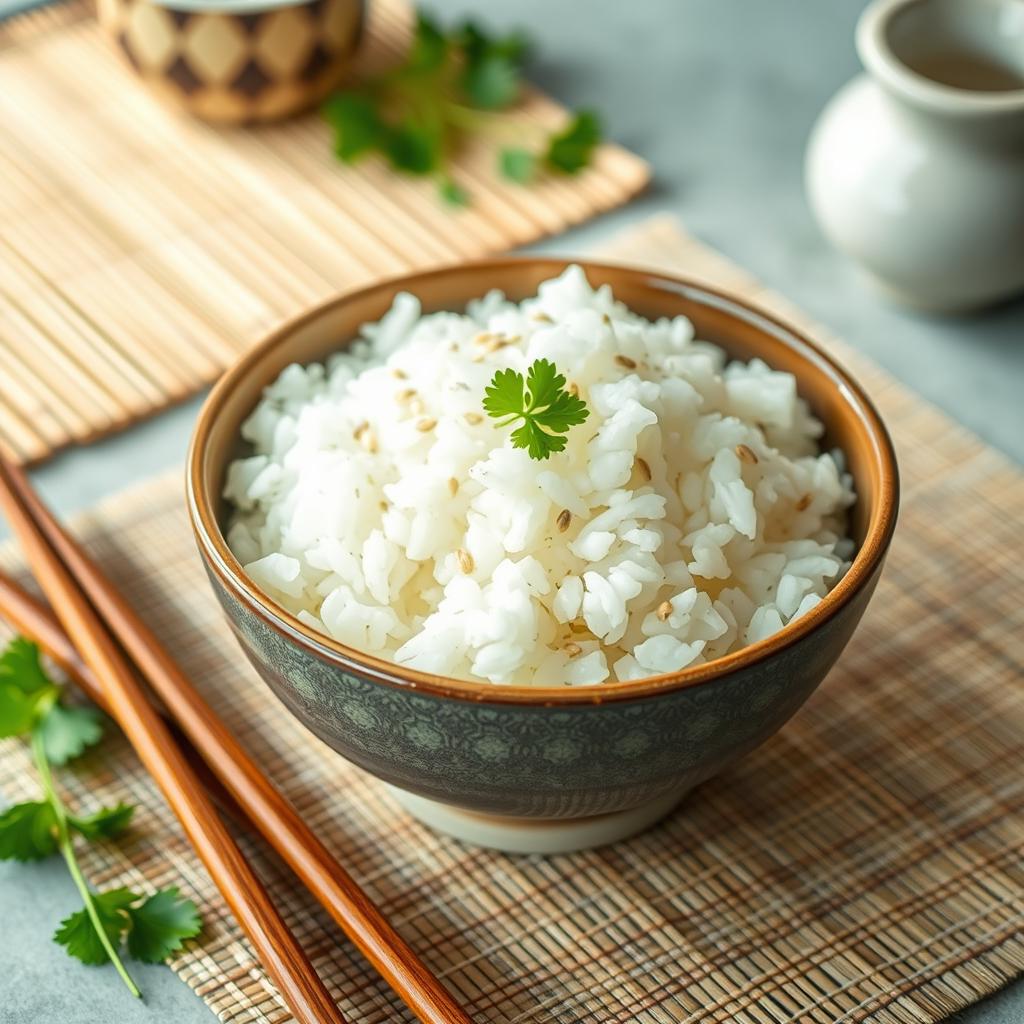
pixel 282 956
pixel 265 807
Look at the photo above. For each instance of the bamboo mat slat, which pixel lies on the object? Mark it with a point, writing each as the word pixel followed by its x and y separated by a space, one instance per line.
pixel 142 251
pixel 863 865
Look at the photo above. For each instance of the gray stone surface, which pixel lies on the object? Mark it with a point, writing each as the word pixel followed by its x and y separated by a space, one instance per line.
pixel 720 96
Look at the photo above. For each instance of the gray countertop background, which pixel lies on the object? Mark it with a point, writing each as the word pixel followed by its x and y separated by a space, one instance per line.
pixel 720 96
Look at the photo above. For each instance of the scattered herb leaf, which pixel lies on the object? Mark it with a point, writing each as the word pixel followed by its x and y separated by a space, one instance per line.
pixel 18 710
pixel 449 88
pixel 67 732
pixel 78 936
pixel 454 194
pixel 540 401
pixel 571 150
pixel 492 82
pixel 106 823
pixel 516 164
pixel 25 690
pixel 160 925
pixel 27 831
pixel 357 128
pixel 413 147
pixel 478 46
pixel 20 665
pixel 429 45
pixel 155 927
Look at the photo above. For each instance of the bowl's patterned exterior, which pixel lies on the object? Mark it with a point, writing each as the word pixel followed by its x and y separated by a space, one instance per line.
pixel 530 760
pixel 239 64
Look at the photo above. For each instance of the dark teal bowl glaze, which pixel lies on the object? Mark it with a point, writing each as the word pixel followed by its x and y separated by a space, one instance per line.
pixel 547 752
pixel 534 760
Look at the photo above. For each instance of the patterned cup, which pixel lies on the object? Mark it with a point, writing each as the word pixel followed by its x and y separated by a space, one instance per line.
pixel 237 61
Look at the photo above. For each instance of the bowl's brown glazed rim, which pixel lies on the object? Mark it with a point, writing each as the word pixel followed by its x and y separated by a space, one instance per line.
pixel 213 546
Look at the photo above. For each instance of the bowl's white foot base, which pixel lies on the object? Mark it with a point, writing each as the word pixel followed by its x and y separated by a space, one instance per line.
pixel 534 835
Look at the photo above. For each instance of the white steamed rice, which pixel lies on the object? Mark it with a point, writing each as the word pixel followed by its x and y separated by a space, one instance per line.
pixel 690 515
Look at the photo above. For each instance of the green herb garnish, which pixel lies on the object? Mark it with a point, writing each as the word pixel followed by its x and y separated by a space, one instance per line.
pixel 151 927
pixel 541 402
pixel 569 151
pixel 450 87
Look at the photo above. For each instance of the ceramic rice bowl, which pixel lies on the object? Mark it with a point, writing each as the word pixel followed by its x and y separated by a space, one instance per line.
pixel 533 768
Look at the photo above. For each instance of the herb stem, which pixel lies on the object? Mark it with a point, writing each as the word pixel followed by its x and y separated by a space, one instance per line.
pixel 67 850
pixel 493 122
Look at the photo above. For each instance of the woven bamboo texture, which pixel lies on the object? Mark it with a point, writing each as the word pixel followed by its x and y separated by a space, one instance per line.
pixel 864 865
pixel 141 251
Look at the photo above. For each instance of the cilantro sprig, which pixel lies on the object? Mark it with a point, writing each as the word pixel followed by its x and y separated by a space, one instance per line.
pixel 149 928
pixel 451 86
pixel 546 409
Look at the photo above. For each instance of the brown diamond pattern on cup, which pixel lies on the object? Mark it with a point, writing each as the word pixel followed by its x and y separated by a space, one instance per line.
pixel 251 80
pixel 179 17
pixel 250 21
pixel 216 47
pixel 182 75
pixel 318 62
pixel 151 35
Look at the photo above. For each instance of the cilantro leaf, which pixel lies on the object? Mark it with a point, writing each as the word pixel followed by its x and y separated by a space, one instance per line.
pixel 78 936
pixel 570 150
pixel 105 823
pixel 66 732
pixel 547 411
pixel 25 688
pixel 504 395
pixel 429 45
pixel 357 128
pixel 564 411
pixel 491 82
pixel 492 66
pixel 544 382
pixel 27 831
pixel 476 45
pixel 156 927
pixel 20 664
pixel 454 194
pixel 518 165
pixel 413 147
pixel 160 925
pixel 538 444
pixel 18 710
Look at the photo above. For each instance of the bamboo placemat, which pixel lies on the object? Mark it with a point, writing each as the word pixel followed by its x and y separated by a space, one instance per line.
pixel 864 865
pixel 143 251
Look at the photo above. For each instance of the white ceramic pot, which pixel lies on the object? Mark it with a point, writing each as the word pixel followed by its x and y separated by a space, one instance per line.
pixel 916 169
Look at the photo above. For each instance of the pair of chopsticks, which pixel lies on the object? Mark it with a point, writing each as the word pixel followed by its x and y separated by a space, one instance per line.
pixel 105 646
